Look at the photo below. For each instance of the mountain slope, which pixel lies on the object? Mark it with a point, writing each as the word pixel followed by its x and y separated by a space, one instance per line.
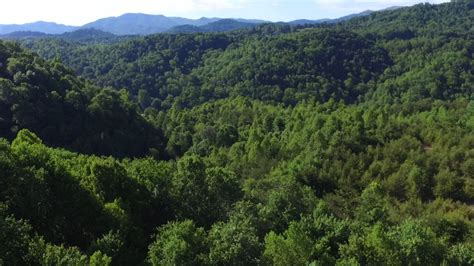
pixel 341 19
pixel 18 35
pixel 336 20
pixel 129 24
pixel 421 19
pixel 307 21
pixel 81 35
pixel 217 26
pixel 333 144
pixel 65 111
pixel 199 67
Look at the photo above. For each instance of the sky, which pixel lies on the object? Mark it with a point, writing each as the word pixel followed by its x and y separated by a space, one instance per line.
pixel 79 12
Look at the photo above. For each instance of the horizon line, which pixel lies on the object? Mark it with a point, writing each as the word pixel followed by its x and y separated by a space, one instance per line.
pixel 203 17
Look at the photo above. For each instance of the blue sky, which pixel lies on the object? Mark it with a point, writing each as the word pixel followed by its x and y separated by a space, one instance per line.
pixel 78 12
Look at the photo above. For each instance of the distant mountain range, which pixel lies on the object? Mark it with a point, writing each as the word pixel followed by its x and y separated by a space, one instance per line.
pixel 40 26
pixel 142 24
pixel 77 35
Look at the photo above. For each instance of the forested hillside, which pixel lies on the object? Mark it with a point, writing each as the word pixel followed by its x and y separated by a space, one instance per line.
pixel 82 36
pixel 341 144
pixel 47 98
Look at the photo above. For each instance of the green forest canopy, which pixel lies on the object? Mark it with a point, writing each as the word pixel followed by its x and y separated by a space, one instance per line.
pixel 347 144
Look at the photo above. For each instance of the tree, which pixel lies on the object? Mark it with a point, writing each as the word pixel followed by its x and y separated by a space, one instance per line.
pixel 234 243
pixel 16 238
pixel 313 239
pixel 179 243
pixel 373 206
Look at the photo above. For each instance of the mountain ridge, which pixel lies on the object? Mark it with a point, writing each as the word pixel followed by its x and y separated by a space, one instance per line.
pixel 145 24
pixel 38 26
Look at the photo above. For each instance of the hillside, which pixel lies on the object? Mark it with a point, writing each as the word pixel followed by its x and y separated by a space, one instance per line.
pixel 337 20
pixel 267 62
pixel 217 26
pixel 18 35
pixel 132 24
pixel 84 36
pixel 65 111
pixel 345 143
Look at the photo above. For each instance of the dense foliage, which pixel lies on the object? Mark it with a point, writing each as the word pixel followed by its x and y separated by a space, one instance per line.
pixel 48 99
pixel 348 144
